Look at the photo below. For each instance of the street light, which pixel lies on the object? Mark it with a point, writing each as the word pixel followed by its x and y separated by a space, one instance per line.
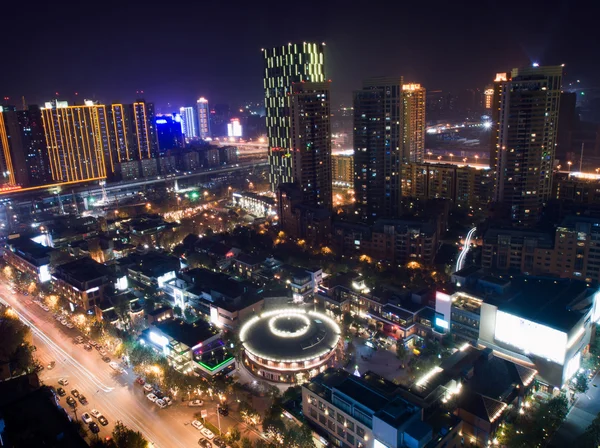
pixel 451 157
pixel 569 163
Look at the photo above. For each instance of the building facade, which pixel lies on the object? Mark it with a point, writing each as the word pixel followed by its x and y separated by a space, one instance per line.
pixel 203 118
pixel 413 109
pixel 342 169
pixel 189 119
pixel 378 144
pixel 311 142
pixel 283 66
pixel 525 149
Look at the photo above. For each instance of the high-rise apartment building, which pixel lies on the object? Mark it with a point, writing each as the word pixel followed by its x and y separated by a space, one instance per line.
pixel 378 129
pixel 190 122
pixel 488 98
pixel 311 142
pixel 203 118
pixel 13 170
pixel 342 168
pixel 77 140
pixel 144 130
pixel 523 154
pixel 283 66
pixel 413 111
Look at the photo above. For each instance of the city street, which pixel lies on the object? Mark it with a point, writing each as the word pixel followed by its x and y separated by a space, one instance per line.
pixel 116 396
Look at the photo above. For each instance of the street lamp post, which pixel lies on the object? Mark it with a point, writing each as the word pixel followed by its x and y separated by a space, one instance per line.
pixel 219 416
pixel 569 163
pixel 451 157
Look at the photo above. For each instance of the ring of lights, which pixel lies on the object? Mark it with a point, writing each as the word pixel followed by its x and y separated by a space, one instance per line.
pixel 289 345
pixel 289 333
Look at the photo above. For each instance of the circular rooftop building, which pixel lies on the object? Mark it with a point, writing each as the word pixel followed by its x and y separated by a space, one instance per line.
pixel 290 345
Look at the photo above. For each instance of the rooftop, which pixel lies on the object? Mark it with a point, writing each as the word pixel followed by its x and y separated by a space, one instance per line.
pixel 29 248
pixel 83 270
pixel 188 334
pixel 249 259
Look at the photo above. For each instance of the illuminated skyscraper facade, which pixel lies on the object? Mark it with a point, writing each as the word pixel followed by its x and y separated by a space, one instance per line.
pixel 413 111
pixel 190 122
pixel 311 142
pixel 378 144
pixel 203 118
pixel 77 139
pixel 144 130
pixel 13 171
pixel 283 66
pixel 523 154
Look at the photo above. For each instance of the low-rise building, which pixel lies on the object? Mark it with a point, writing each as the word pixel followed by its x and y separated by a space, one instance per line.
pixel 245 265
pixel 370 412
pixel 149 271
pixel 190 348
pixel 82 282
pixel 29 257
pixel 541 323
pixel 145 230
pixel 302 282
pixel 258 205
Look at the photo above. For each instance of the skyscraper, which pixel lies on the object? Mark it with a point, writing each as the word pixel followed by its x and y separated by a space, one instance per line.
pixel 13 170
pixel 190 122
pixel 283 66
pixel 378 144
pixel 145 130
pixel 34 145
pixel 311 142
pixel 168 130
pixel 77 140
pixel 524 149
pixel 203 118
pixel 413 117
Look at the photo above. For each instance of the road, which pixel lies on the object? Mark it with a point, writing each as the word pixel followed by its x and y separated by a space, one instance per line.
pixel 116 396
pixel 460 261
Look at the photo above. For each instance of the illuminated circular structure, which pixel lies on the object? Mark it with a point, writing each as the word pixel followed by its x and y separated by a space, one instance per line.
pixel 290 345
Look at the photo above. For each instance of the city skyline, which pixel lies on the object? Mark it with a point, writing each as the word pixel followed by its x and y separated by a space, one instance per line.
pixel 442 58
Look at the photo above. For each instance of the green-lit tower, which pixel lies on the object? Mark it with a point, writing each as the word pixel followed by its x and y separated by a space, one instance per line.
pixel 285 65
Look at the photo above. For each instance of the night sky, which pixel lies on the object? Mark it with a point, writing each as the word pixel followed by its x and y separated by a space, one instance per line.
pixel 181 50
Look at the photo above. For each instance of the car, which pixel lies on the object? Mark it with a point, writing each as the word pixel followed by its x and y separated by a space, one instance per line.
pixel 219 442
pixel 224 410
pixel 51 365
pixel 64 322
pixel 151 397
pixel 63 381
pixel 195 403
pixel 160 403
pixel 95 413
pixel 197 424
pixel 105 359
pixel 103 421
pixel 94 427
pixel 159 393
pixel 38 367
pixel 82 399
pixel 86 418
pixel 140 381
pixel 208 433
pixel 102 352
pixel 75 393
pixel 204 443
pixel 115 366
pixel 148 387
pixel 168 401
pixel 87 347
pixel 70 325
pixel 71 401
pixel 61 392
pixel 46 308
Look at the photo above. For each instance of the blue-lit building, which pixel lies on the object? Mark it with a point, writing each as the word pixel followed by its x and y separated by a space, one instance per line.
pixel 189 122
pixel 169 131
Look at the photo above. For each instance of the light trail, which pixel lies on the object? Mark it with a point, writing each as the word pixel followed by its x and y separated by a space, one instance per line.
pixel 460 261
pixel 39 333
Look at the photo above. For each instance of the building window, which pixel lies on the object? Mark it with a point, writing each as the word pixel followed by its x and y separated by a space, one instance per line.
pixel 340 431
pixel 360 432
pixel 331 425
pixel 350 425
pixel 340 418
pixel 313 413
pixel 350 439
pixel 323 419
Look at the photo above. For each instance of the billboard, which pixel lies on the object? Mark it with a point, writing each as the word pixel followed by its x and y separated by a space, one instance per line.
pixel 530 337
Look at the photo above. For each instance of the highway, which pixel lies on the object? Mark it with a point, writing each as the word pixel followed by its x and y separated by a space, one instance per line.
pixel 460 261
pixel 116 396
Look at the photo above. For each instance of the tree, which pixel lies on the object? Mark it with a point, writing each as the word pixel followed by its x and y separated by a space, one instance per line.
pixel 127 438
pixel 347 319
pixel 557 407
pixel 249 415
pixel 581 383
pixel 591 436
pixel 234 434
pixel 299 437
pixel 177 311
pixel 246 442
pixel 401 350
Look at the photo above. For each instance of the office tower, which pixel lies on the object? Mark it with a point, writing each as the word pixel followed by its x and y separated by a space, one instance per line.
pixel 378 143
pixel 524 153
pixel 168 130
pixel 145 130
pixel 311 142
pixel 413 118
pixel 190 122
pixel 234 128
pixel 13 170
pixel 283 66
pixel 488 98
pixel 77 140
pixel 34 145
pixel 203 118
